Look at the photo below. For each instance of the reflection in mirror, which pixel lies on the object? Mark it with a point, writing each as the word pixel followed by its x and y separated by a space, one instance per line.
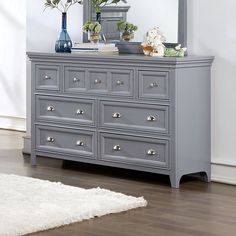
pixel 145 14
pixel 151 13
pixel 169 15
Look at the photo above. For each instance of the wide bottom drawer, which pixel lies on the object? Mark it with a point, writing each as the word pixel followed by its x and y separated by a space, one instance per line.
pixel 67 141
pixel 125 149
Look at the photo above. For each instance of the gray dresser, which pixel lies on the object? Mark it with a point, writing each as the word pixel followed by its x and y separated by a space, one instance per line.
pixel 133 112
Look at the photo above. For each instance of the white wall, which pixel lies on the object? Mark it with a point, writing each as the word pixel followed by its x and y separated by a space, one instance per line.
pixel 211 29
pixel 12 64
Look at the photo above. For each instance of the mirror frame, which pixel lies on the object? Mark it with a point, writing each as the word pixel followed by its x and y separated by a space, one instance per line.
pixel 182 23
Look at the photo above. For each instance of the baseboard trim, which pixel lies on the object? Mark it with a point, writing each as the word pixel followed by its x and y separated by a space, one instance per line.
pixel 13 123
pixel 223 173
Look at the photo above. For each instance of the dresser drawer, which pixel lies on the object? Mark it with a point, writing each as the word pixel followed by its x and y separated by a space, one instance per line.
pixel 47 77
pixel 65 110
pixel 153 84
pixel 68 141
pixel 132 116
pixel 132 150
pixel 122 82
pixel 74 79
pixel 98 81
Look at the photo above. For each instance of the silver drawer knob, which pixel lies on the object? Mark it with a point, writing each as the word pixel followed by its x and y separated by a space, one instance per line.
pixel 119 82
pixel 50 139
pixel 151 118
pixel 117 148
pixel 151 152
pixel 154 85
pixel 80 143
pixel 75 80
pixel 47 77
pixel 116 115
pixel 80 112
pixel 97 81
pixel 50 108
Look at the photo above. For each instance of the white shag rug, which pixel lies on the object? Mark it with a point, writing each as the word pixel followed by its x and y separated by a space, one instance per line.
pixel 29 205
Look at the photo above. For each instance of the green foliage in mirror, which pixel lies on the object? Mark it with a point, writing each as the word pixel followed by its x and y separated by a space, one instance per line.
pixel 124 26
pixel 98 4
pixel 92 26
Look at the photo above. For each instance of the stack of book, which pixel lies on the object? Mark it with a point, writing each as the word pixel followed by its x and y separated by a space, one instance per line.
pixel 109 48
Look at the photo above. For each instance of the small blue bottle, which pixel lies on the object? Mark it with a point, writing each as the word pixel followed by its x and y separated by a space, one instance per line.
pixel 64 43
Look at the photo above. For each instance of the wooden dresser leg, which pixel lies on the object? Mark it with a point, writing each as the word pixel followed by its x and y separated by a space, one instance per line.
pixel 175 181
pixel 206 176
pixel 33 159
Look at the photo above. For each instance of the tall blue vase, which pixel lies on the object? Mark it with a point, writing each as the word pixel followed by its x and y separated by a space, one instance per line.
pixel 99 17
pixel 64 43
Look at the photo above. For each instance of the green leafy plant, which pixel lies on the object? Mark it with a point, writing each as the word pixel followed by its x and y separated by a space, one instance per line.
pixel 92 26
pixel 124 26
pixel 61 5
pixel 98 4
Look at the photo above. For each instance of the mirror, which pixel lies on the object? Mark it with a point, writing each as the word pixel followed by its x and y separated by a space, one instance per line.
pixel 151 13
pixel 169 15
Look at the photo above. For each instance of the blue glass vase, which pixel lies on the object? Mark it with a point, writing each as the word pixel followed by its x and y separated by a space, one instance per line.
pixel 99 17
pixel 64 43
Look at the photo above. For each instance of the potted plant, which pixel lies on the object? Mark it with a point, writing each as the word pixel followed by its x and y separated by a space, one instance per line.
pixel 98 4
pixel 64 43
pixel 127 29
pixel 94 29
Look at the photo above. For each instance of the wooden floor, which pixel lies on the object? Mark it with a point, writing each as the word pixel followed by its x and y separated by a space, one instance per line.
pixel 197 208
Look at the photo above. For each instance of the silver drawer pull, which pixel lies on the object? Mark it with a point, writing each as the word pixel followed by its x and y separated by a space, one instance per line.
pixel 50 139
pixel 50 108
pixel 116 115
pixel 80 143
pixel 80 112
pixel 97 81
pixel 151 118
pixel 151 152
pixel 116 148
pixel 76 80
pixel 47 77
pixel 119 82
pixel 154 85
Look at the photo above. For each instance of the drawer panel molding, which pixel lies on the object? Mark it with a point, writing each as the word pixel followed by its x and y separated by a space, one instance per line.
pixel 74 79
pixel 148 152
pixel 67 141
pixel 102 81
pixel 48 77
pixel 154 84
pixel 65 110
pixel 133 116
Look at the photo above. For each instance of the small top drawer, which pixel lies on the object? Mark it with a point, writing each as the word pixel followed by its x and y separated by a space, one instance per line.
pixel 122 82
pixel 75 79
pixel 99 81
pixel 154 84
pixel 48 77
pixel 65 110
pixel 132 116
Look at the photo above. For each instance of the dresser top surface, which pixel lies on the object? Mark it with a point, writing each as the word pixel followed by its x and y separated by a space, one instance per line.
pixel 128 58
